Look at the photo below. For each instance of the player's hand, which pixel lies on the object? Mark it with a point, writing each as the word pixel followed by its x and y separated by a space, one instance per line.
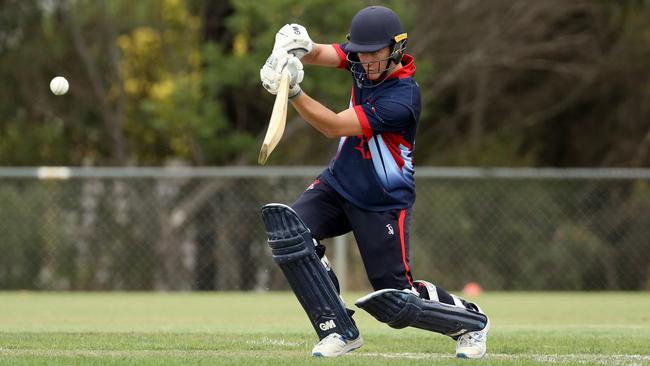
pixel 271 72
pixel 293 39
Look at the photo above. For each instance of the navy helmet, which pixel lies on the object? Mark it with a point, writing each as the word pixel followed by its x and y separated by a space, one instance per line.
pixel 372 29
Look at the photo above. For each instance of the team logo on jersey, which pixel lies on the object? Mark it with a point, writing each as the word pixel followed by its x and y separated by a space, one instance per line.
pixel 313 184
pixel 363 148
pixel 390 229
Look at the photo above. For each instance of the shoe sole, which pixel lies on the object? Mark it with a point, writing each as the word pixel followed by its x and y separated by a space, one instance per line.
pixel 463 355
pixel 320 355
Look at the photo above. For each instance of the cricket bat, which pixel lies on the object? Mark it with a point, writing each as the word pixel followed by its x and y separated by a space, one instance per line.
pixel 278 120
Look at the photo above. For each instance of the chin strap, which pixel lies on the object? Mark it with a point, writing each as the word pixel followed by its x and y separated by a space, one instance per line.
pixel 388 70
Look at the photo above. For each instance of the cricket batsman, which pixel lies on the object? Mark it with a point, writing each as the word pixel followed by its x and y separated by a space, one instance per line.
pixel 368 188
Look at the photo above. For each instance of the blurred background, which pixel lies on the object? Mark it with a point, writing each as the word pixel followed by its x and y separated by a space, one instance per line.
pixel 556 92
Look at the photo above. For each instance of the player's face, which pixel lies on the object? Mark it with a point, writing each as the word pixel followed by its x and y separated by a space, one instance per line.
pixel 374 62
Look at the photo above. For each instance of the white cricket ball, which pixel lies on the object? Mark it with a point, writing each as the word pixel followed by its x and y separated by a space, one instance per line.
pixel 59 85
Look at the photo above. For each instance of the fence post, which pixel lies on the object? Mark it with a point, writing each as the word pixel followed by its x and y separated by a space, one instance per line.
pixel 341 260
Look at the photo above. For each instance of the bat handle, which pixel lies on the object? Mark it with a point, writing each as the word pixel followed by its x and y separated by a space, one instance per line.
pixel 284 79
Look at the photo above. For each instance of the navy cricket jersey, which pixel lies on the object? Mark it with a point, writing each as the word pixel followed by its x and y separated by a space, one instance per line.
pixel 375 170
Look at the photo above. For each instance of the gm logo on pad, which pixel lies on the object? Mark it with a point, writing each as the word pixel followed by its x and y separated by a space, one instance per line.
pixel 327 325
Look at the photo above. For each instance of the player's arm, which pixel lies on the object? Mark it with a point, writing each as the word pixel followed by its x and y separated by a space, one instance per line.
pixel 329 123
pixel 326 121
pixel 322 55
pixel 293 39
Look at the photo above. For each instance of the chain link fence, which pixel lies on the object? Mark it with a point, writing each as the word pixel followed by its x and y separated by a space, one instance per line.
pixel 200 228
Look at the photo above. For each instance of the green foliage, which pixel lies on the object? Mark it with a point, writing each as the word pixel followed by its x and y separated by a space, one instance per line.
pixel 173 81
pixel 173 93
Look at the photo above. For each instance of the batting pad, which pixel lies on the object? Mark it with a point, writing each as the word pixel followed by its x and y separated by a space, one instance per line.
pixel 402 308
pixel 293 250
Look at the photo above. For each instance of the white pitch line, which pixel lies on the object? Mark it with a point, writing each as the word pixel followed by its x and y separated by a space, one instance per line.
pixel 547 358
pixel 134 353
pixel 266 341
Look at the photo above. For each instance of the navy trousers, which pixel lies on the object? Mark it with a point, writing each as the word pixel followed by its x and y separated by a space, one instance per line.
pixel 382 237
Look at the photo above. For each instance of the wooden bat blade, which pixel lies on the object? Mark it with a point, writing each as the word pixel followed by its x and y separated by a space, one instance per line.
pixel 278 120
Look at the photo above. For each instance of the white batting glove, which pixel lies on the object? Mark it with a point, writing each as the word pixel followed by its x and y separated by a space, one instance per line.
pixel 293 39
pixel 271 72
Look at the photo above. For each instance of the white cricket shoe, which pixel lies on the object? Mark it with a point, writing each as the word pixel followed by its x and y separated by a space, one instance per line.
pixel 335 345
pixel 473 344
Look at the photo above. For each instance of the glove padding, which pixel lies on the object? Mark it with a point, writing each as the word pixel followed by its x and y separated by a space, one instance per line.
pixel 271 72
pixel 293 39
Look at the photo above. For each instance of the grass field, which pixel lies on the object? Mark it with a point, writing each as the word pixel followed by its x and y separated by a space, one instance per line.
pixel 271 329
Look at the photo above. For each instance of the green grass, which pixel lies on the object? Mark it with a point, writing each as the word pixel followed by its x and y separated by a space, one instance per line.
pixel 271 329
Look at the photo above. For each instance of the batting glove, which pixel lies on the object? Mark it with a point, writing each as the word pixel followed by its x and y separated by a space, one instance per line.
pixel 293 39
pixel 271 72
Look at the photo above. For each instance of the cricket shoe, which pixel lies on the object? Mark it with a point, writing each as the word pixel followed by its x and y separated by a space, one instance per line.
pixel 335 345
pixel 473 344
